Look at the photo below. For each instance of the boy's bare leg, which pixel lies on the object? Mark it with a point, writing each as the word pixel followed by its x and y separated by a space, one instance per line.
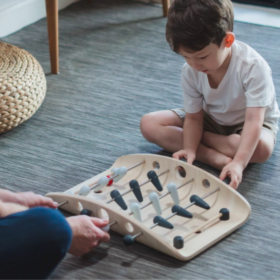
pixel 228 145
pixel 164 128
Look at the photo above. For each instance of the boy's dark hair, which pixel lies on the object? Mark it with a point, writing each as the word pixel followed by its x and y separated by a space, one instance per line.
pixel 194 24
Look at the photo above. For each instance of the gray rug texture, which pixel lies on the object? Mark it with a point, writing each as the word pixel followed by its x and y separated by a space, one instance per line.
pixel 115 66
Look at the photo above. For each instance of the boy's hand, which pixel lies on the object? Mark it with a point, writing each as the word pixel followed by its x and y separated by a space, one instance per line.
pixel 87 234
pixel 186 154
pixel 234 170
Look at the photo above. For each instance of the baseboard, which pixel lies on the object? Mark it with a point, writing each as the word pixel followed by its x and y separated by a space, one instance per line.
pixel 16 14
pixel 262 3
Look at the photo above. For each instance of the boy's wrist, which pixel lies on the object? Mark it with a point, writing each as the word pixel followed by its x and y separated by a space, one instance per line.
pixel 240 161
pixel 189 151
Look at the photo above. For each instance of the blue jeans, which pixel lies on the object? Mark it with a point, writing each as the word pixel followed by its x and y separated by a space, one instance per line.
pixel 32 243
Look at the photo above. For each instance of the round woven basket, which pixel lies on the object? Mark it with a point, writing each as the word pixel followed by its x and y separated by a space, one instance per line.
pixel 22 86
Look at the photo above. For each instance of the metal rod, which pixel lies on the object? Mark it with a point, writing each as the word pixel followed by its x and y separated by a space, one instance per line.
pixel 167 193
pixel 93 186
pixel 112 223
pixel 62 203
pixel 142 162
pixel 128 191
pixel 189 205
pixel 136 235
pixel 96 184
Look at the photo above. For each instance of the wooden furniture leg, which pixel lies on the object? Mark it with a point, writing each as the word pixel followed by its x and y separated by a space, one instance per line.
pixel 52 19
pixel 165 6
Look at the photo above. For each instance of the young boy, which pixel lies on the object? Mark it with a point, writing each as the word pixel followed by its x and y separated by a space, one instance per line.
pixel 230 112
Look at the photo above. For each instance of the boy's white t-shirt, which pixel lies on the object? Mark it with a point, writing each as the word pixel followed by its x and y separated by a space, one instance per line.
pixel 247 83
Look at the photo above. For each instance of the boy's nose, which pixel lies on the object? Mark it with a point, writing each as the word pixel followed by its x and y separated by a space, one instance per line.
pixel 195 65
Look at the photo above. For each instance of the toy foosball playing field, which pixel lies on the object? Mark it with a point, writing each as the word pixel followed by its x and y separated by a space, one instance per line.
pixel 167 204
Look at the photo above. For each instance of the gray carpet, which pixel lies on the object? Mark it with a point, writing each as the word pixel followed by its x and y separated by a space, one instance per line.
pixel 115 66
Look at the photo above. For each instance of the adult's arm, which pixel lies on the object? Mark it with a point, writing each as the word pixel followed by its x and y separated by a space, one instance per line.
pixel 7 208
pixel 28 199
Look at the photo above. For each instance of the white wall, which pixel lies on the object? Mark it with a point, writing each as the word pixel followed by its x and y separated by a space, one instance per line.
pixel 250 14
pixel 257 15
pixel 16 14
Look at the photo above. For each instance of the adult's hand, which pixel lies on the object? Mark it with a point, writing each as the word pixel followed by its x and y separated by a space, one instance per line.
pixel 87 234
pixel 28 199
pixel 7 208
pixel 31 199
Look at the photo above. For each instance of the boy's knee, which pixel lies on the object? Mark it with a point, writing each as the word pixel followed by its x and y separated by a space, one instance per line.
pixel 263 152
pixel 233 140
pixel 147 127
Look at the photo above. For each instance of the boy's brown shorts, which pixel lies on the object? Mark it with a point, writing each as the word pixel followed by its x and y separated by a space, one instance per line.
pixel 210 125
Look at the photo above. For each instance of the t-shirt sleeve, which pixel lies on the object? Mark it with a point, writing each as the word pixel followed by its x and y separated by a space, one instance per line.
pixel 258 84
pixel 193 100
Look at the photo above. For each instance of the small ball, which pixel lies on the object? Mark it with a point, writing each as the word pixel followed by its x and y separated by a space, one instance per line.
pixel 128 240
pixel 86 212
pixel 110 182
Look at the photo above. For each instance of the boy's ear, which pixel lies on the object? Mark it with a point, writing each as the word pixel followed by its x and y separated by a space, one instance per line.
pixel 229 39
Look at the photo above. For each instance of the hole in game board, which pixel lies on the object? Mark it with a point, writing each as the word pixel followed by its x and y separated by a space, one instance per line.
pixel 206 183
pixel 79 206
pixel 181 171
pixel 156 165
pixel 103 214
pixel 99 191
pixel 129 227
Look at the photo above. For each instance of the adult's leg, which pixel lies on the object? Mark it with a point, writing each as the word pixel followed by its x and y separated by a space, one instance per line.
pixel 164 128
pixel 32 243
pixel 228 145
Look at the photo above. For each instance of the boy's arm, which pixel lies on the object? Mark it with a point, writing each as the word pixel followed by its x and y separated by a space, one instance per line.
pixel 250 135
pixel 249 139
pixel 192 134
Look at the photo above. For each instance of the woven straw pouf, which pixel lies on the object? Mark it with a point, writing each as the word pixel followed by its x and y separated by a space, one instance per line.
pixel 22 86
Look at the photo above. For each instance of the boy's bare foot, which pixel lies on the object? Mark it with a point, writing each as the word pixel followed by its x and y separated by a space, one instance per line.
pixel 219 161
pixel 212 157
pixel 227 145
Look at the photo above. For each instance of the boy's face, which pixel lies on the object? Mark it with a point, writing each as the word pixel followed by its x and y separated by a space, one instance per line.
pixel 207 60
